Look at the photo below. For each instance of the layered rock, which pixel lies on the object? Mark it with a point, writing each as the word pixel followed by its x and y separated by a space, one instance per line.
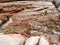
pixel 32 19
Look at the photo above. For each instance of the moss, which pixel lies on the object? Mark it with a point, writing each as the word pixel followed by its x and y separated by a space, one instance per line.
pixel 8 31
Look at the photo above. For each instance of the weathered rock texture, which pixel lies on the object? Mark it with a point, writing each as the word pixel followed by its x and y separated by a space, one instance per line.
pixel 32 18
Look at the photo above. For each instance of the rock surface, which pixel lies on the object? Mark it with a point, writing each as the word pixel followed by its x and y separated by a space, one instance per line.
pixel 17 39
pixel 32 19
pixel 12 39
pixel 43 41
pixel 32 40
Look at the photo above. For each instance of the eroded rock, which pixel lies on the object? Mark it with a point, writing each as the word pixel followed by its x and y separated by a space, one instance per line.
pixel 39 17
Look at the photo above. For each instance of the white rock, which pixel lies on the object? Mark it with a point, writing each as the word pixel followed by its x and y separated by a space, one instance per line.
pixel 32 40
pixel 7 23
pixel 43 41
pixel 13 39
